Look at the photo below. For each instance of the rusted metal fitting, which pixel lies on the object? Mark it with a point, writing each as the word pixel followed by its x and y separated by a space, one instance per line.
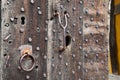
pixel 26 60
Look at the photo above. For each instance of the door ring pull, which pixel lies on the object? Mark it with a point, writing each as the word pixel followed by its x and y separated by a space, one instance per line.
pixel 25 57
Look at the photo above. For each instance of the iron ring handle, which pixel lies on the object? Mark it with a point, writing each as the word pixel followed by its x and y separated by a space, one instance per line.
pixel 21 60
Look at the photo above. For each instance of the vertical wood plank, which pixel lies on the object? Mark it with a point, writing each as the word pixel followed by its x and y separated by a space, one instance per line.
pixel 32 31
pixel 96 39
pixel 68 64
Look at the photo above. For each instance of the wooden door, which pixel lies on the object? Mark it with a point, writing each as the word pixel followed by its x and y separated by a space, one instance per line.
pixel 54 39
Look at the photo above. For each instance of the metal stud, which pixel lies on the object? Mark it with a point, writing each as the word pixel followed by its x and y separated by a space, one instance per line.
pixel 53 65
pixel 80 47
pixel 38 8
pixel 66 64
pixel 30 39
pixel 44 75
pixel 73 39
pixel 80 32
pixel 47 21
pixel 27 77
pixel 22 9
pixel 102 34
pixel 102 62
pixel 79 79
pixel 91 33
pixel 79 67
pixel 86 11
pixel 97 26
pixel 21 30
pixel 60 56
pixel 97 13
pixel 68 31
pixel 92 4
pixel 19 67
pixel 7 24
pixel 11 19
pixel 73 55
pixel 74 8
pixel 8 2
pixel 81 2
pixel 46 38
pixel 103 20
pixel 74 24
pixel 59 73
pixel 79 63
pixel 39 12
pixel 91 19
pixel 73 72
pixel 37 48
pixel 86 55
pixel 91 62
pixel 10 42
pixel 38 29
pixel 86 40
pixel 86 25
pixel 61 6
pixel 91 78
pixel 97 55
pixel 68 0
pixel 45 57
pixel 54 30
pixel 96 41
pixel 80 17
pixel 86 70
pixel 32 1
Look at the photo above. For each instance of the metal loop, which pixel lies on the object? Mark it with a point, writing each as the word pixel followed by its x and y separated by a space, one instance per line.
pixel 66 23
pixel 24 57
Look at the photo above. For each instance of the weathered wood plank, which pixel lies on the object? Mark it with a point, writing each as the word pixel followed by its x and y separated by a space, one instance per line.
pixel 96 39
pixel 25 20
pixel 67 64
